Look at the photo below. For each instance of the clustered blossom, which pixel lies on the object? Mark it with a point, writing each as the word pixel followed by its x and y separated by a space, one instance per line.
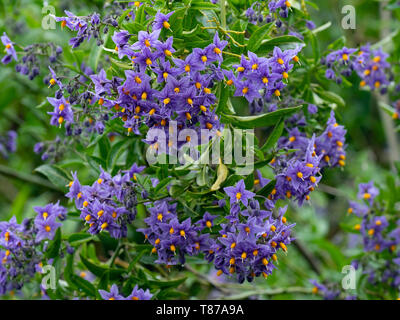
pixel 19 255
pixel 20 245
pixel 109 203
pixel 172 240
pixel 255 12
pixel 370 65
pixel 179 90
pixel 298 173
pixel 251 238
pixel 248 243
pixel 380 235
pixel 277 11
pixel 280 6
pixel 298 176
pixel 265 75
pixel 29 65
pixel 8 143
pixel 137 294
pixel 86 27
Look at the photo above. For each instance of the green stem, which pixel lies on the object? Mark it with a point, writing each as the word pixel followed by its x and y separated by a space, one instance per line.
pixel 387 122
pixel 116 253
pixel 271 292
pixel 8 172
pixel 223 14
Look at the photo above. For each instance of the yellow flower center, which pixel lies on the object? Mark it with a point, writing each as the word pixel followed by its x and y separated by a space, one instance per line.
pixel 166 25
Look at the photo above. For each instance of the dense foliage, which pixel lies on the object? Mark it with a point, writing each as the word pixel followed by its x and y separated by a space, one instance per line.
pixel 112 112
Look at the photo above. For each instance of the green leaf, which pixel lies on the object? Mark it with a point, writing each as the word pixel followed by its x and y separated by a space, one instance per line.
pixel 223 94
pixel 115 153
pixel 266 190
pixel 334 252
pixel 387 108
pixel 259 121
pixel 79 238
pixel 140 17
pixel 322 28
pixel 100 270
pixel 84 285
pixel 176 20
pixel 274 136
pixel 331 97
pixel 54 248
pixel 120 64
pixel 259 35
pixel 162 184
pixel 204 6
pixel 103 282
pixel 286 41
pixel 69 270
pixel 166 284
pixel 95 53
pixel 55 174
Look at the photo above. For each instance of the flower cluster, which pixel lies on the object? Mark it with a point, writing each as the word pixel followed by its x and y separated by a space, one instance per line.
pixel 8 143
pixel 331 144
pixel 109 203
pixel 370 65
pixel 171 239
pixel 255 75
pixel 280 6
pixel 173 89
pixel 20 244
pixel 298 176
pixel 87 27
pixel 249 242
pixel 19 257
pixel 380 236
pixel 137 294
pixel 298 173
pixel 30 62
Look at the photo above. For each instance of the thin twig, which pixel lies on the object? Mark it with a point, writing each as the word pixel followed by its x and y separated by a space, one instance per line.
pixel 8 172
pixel 207 279
pixel 307 256
pixel 271 292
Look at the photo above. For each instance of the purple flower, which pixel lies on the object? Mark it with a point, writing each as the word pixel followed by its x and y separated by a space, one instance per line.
pixel 310 24
pixel 139 294
pixel 312 109
pixel 146 40
pixel 113 294
pixel 46 228
pixel 247 89
pixel 239 193
pixel 10 50
pixel 206 221
pixel 62 111
pixel 161 20
pixel 101 83
pixel 367 191
pixel 215 49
